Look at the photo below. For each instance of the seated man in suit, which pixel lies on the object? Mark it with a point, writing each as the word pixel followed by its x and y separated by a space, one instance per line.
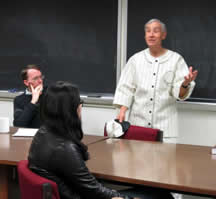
pixel 26 105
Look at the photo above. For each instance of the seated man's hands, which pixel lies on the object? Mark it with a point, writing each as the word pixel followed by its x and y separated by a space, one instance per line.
pixel 36 92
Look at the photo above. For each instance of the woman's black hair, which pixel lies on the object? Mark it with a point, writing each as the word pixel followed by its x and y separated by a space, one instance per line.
pixel 58 112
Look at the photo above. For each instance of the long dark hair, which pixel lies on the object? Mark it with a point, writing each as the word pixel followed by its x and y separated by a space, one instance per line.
pixel 58 111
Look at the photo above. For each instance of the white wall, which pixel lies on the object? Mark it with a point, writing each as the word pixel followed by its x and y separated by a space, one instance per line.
pixel 195 126
pixel 94 119
pixel 6 110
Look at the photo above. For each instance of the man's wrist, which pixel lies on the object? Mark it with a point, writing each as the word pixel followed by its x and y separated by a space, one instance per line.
pixel 185 86
pixel 123 109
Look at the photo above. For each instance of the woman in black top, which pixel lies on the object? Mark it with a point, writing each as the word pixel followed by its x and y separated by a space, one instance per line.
pixel 57 152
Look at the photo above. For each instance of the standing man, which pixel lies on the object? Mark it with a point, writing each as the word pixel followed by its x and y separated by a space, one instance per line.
pixel 26 105
pixel 152 81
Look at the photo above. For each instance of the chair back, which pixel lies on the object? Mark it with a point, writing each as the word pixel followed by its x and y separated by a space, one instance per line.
pixel 34 186
pixel 141 133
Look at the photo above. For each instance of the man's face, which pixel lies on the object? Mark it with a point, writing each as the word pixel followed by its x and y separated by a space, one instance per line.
pixel 154 34
pixel 34 78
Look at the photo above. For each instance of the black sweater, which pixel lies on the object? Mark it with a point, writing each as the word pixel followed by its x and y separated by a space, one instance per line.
pixel 26 114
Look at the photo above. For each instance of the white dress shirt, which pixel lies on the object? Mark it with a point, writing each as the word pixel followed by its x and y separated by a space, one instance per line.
pixel 150 86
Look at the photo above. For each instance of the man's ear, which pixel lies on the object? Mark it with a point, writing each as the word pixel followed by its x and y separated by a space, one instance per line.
pixel 164 35
pixel 26 83
pixel 79 110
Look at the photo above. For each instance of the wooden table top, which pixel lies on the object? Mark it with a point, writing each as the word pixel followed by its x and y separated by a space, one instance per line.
pixel 177 167
pixel 14 149
pixel 92 139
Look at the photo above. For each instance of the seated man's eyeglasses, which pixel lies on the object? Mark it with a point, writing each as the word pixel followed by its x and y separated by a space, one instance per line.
pixel 37 78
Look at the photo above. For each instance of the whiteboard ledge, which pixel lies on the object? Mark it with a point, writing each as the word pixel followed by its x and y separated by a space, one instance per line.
pixel 201 106
pixel 107 102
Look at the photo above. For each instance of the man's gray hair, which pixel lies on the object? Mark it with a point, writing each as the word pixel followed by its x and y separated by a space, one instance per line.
pixel 163 26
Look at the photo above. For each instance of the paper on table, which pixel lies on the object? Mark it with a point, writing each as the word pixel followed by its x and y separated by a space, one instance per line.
pixel 25 132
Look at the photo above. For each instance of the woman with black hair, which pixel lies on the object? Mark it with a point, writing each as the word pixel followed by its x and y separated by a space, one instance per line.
pixel 57 152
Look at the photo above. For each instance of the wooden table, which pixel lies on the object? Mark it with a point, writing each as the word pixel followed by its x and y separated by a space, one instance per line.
pixel 92 139
pixel 176 167
pixel 14 149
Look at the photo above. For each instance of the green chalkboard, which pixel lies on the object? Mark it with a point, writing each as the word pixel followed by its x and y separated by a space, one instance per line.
pixel 70 40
